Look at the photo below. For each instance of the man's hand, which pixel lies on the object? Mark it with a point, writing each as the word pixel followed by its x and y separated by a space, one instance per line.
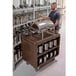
pixel 43 17
pixel 40 15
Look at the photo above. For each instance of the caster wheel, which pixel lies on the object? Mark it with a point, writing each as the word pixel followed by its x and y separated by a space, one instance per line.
pixel 37 69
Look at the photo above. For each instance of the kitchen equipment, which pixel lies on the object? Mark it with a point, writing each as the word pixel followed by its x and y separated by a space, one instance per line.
pixel 41 27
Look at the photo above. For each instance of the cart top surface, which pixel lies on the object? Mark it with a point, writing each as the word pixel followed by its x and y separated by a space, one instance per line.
pixel 38 37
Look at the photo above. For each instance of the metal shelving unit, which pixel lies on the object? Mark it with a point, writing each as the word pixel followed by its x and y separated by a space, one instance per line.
pixel 15 26
pixel 23 9
pixel 17 43
pixel 18 60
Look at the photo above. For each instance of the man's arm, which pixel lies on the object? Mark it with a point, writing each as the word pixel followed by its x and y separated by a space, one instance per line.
pixel 57 17
pixel 57 22
pixel 44 17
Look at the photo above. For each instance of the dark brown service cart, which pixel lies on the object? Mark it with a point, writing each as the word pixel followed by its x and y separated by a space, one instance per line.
pixel 32 45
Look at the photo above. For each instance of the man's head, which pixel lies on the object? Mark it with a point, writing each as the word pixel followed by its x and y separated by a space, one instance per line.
pixel 54 6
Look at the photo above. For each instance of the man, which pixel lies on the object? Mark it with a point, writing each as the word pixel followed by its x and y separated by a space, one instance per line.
pixel 54 16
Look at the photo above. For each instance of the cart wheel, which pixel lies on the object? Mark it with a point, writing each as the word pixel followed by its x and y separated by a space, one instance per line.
pixel 37 69
pixel 56 61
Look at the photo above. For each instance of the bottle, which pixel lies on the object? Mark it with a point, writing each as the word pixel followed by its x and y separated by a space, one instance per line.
pixel 14 7
pixel 17 20
pixel 46 46
pixel 40 49
pixel 51 55
pixel 14 37
pixel 40 60
pixel 45 2
pixel 21 4
pixel 25 18
pixel 45 58
pixel 18 49
pixel 29 3
pixel 15 55
pixel 37 2
pixel 19 36
pixel 31 16
pixel 13 20
pixel 55 53
pixel 55 42
pixel 24 3
pixel 22 19
pixel 41 2
pixel 50 44
pixel 26 15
